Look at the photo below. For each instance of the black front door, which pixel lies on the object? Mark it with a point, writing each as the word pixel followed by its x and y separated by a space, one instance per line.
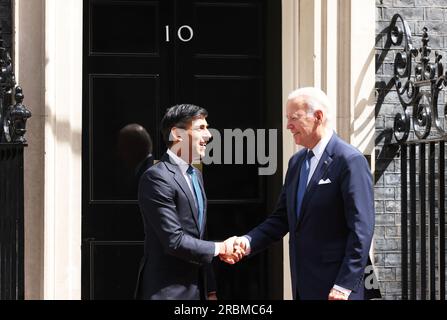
pixel 141 57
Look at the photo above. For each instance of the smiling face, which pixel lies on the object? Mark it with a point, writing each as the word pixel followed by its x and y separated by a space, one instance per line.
pixel 199 136
pixel 305 127
pixel 191 141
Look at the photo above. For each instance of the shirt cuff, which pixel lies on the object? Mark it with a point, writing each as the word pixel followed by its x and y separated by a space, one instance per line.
pixel 347 292
pixel 247 245
pixel 216 249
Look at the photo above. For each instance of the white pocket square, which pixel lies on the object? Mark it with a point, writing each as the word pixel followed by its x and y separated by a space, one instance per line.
pixel 327 181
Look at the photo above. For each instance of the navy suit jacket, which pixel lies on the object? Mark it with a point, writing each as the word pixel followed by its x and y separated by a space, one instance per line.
pixel 330 241
pixel 176 262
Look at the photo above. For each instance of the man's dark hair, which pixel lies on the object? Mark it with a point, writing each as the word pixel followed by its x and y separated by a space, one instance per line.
pixel 179 116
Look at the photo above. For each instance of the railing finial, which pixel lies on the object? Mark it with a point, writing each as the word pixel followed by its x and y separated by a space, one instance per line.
pixel 418 87
pixel 12 117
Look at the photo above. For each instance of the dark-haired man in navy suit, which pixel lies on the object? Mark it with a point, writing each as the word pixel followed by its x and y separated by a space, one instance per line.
pixel 176 262
pixel 326 205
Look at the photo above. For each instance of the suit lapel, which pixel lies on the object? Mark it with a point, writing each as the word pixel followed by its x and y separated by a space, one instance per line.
pixel 180 180
pixel 204 202
pixel 294 187
pixel 319 173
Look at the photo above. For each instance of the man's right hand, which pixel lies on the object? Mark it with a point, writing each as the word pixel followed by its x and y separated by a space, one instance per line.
pixel 232 250
pixel 241 243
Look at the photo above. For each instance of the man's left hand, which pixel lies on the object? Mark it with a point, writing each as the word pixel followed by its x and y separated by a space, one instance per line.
pixel 212 295
pixel 337 295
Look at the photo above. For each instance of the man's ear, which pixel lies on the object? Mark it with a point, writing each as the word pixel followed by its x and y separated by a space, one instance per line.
pixel 175 135
pixel 319 115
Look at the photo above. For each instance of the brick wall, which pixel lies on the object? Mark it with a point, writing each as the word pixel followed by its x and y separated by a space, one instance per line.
pixel 418 13
pixel 5 21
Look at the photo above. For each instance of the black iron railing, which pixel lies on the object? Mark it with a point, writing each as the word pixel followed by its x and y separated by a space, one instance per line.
pixel 418 82
pixel 423 220
pixel 421 136
pixel 11 222
pixel 13 119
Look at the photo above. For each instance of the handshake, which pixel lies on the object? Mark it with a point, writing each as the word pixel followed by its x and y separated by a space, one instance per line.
pixel 233 249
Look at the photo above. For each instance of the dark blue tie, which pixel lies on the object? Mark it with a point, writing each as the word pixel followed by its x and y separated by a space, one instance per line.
pixel 302 184
pixel 198 193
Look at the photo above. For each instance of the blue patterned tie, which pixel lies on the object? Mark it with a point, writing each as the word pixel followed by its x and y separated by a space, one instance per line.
pixel 198 192
pixel 302 185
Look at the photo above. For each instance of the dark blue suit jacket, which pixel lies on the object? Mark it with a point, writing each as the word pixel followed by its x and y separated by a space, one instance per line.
pixel 330 241
pixel 176 261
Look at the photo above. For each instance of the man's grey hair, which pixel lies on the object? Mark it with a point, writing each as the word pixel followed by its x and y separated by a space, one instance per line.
pixel 315 99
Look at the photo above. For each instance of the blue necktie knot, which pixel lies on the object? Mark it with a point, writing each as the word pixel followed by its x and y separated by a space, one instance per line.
pixel 191 170
pixel 302 184
pixel 197 192
pixel 309 155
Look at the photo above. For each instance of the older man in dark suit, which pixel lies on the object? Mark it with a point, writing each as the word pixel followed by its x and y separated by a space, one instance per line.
pixel 326 205
pixel 176 262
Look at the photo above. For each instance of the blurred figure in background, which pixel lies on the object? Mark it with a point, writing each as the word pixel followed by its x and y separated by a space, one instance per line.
pixel 135 150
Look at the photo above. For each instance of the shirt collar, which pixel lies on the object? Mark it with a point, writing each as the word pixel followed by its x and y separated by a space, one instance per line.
pixel 178 161
pixel 322 144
